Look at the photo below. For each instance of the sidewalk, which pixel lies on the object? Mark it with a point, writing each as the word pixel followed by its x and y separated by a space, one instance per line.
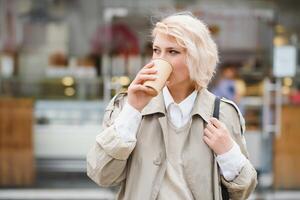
pixel 107 194
pixel 56 194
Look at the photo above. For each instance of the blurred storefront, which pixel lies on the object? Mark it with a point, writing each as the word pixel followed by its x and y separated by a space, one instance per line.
pixel 61 61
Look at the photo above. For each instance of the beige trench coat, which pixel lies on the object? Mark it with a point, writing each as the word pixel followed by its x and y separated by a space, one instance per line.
pixel 140 166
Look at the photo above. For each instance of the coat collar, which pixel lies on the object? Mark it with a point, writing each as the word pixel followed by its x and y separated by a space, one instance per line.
pixel 156 105
pixel 203 105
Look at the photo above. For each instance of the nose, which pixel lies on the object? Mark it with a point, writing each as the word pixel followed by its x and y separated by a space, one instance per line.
pixel 162 57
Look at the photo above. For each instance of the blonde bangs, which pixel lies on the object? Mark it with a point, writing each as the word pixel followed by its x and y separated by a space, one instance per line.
pixel 170 31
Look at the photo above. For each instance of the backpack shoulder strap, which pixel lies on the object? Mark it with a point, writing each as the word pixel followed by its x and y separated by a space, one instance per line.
pixel 216 107
pixel 216 113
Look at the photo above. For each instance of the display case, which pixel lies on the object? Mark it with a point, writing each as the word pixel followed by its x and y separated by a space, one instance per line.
pixel 64 131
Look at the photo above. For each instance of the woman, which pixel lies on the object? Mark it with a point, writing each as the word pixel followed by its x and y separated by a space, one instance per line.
pixel 169 146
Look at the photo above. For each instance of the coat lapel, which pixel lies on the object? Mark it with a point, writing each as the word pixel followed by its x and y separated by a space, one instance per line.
pixel 164 126
pixel 204 104
pixel 157 106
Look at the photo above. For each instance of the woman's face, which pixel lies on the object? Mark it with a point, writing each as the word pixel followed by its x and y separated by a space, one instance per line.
pixel 166 47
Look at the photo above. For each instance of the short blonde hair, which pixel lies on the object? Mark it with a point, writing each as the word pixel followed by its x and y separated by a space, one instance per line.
pixel 193 35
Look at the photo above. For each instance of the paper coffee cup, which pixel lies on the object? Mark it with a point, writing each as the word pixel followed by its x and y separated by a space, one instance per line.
pixel 164 69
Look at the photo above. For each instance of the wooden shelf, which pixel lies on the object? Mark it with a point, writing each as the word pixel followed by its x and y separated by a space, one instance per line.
pixel 16 143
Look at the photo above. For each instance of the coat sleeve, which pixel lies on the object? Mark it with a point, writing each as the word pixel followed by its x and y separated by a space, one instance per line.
pixel 107 159
pixel 244 184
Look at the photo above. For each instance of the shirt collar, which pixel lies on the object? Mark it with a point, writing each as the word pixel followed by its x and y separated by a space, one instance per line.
pixel 168 99
pixel 185 106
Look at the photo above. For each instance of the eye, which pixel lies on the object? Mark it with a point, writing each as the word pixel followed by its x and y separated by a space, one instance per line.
pixel 155 50
pixel 174 52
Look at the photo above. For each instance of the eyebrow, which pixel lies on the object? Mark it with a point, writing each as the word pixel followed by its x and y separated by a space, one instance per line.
pixel 177 48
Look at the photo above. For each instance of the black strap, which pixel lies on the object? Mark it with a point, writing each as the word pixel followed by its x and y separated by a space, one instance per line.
pixel 216 113
pixel 217 108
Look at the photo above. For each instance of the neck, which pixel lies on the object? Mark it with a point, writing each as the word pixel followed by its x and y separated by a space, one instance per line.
pixel 180 92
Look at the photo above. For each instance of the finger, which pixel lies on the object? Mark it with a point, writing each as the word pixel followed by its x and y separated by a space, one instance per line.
pixel 148 71
pixel 207 141
pixel 145 77
pixel 149 65
pixel 211 128
pixel 140 78
pixel 141 88
pixel 215 122
pixel 208 133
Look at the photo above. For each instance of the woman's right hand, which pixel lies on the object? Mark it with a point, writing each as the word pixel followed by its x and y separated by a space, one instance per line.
pixel 138 94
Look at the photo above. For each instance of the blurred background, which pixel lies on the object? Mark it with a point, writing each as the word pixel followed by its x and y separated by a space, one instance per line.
pixel 62 60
